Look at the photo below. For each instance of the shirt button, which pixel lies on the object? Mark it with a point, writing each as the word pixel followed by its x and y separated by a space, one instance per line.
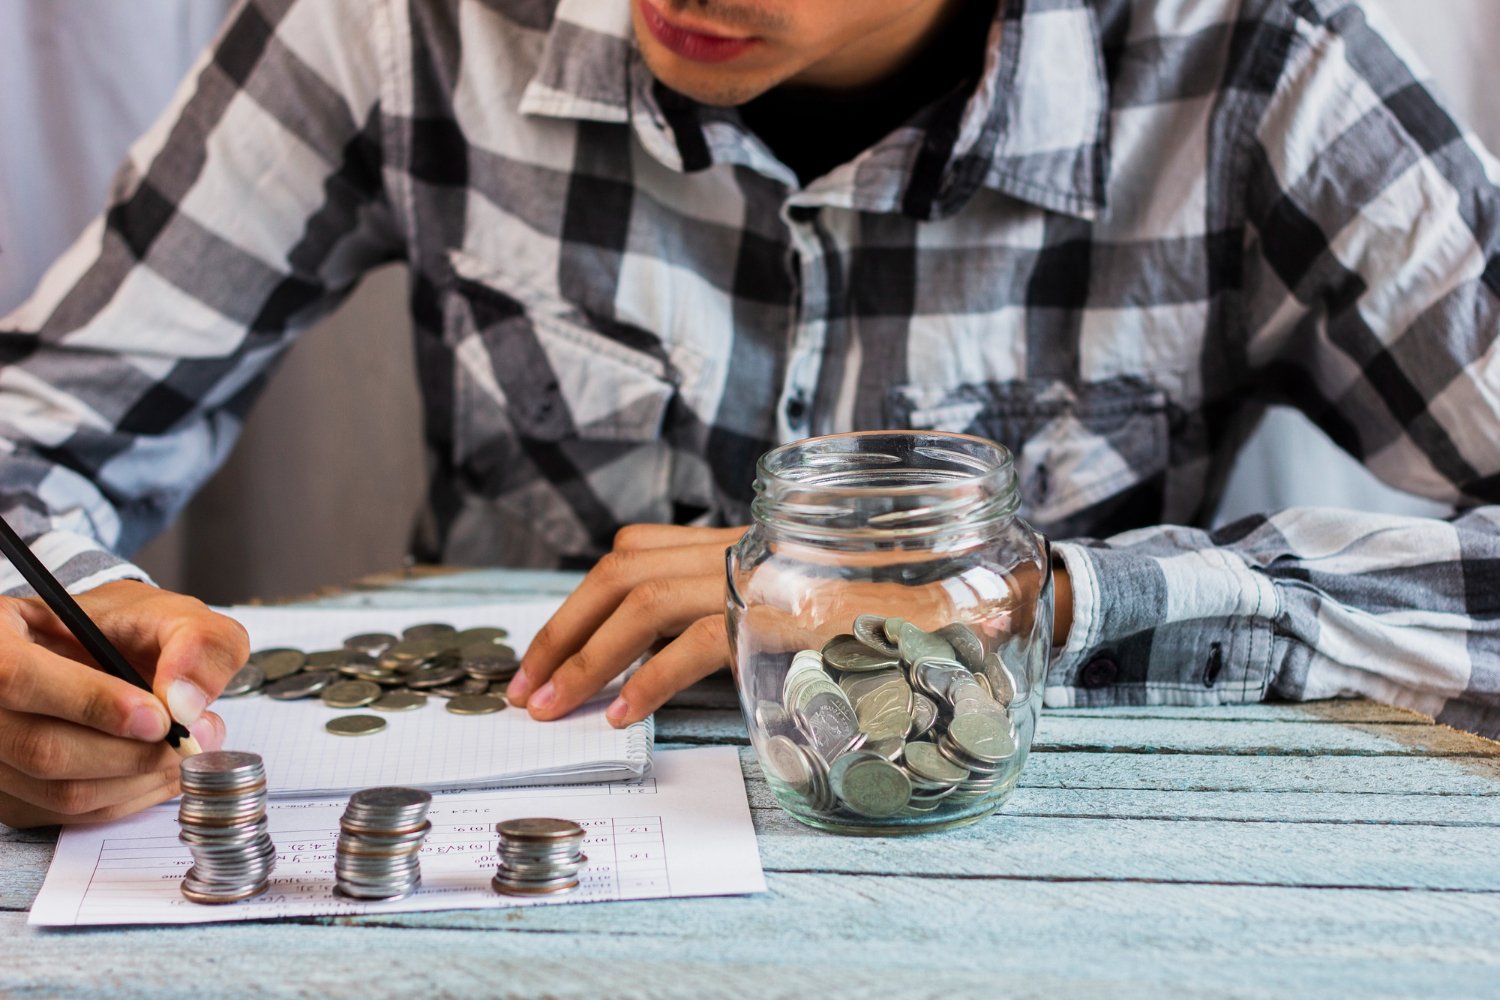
pixel 1100 672
pixel 796 409
pixel 803 213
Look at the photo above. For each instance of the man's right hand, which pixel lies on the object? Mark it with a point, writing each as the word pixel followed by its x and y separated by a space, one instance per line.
pixel 80 746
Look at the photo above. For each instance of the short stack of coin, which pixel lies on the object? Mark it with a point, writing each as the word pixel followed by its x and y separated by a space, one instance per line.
pixel 538 856
pixel 891 721
pixel 223 823
pixel 380 837
pixel 388 673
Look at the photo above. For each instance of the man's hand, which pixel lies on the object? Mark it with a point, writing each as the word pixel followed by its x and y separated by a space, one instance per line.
pixel 659 582
pixel 77 745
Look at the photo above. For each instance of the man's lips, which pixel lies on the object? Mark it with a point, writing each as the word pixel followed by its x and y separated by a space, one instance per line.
pixel 695 45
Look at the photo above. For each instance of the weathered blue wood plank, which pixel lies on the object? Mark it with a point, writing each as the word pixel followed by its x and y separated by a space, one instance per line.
pixel 1161 737
pixel 819 935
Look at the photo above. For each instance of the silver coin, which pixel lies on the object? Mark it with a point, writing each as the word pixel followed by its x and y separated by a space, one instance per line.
pixel 890 748
pixel 411 650
pixel 538 828
pixel 924 761
pixel 1002 684
pixel 892 629
pixel 829 723
pixel 333 659
pixel 870 630
pixel 856 686
pixel 916 644
pixel 355 725
pixel 481 634
pixel 870 785
pixel 399 701
pixel 773 720
pixel 246 680
pixel 222 763
pixel 982 738
pixel 784 759
pixel 847 653
pixel 351 694
pixel 374 643
pixel 924 713
pixel 435 677
pixel 968 648
pixel 475 704
pixel 279 663
pixel 391 797
pixel 301 685
pixel 429 630
pixel 490 668
pixel 883 713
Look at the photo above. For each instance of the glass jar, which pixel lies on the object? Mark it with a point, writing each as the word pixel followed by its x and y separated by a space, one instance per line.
pixel 890 620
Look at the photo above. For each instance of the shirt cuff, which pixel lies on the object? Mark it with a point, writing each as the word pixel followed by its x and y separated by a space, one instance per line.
pixel 1187 627
pixel 80 564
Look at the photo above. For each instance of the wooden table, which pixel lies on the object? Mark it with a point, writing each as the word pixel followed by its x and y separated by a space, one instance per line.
pixel 1335 848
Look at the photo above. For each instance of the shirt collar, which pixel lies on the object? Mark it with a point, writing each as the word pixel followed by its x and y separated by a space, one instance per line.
pixel 1036 126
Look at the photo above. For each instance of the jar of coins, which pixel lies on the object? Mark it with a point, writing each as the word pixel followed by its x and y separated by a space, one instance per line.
pixel 890 619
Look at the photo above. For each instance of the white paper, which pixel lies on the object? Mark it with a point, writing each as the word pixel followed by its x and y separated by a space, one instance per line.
pixel 429 747
pixel 685 831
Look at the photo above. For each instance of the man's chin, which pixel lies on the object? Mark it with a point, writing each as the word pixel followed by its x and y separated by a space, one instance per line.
pixel 721 86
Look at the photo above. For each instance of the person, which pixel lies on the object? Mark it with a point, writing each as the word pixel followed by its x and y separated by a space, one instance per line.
pixel 649 240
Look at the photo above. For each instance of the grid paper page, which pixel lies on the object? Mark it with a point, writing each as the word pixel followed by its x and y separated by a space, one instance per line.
pixel 685 831
pixel 429 747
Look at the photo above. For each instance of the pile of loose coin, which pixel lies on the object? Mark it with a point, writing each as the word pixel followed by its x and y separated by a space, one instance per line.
pixel 891 721
pixel 222 820
pixel 388 673
pixel 380 836
pixel 538 857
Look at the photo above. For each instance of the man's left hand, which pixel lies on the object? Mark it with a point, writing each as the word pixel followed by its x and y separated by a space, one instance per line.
pixel 659 582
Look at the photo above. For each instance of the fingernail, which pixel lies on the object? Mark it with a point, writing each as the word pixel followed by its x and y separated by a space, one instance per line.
pixel 186 702
pixel 616 711
pixel 207 734
pixel 519 688
pixel 544 697
pixel 147 722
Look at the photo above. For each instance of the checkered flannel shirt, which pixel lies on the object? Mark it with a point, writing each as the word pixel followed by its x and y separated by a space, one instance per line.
pixel 1149 220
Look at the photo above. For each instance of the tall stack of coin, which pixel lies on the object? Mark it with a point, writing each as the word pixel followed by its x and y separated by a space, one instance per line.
pixel 891 721
pixel 223 823
pixel 380 835
pixel 538 856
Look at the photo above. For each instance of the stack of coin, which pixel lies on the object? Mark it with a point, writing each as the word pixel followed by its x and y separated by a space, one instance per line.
pixel 538 856
pixel 380 835
pixel 890 720
pixel 223 824
pixel 389 673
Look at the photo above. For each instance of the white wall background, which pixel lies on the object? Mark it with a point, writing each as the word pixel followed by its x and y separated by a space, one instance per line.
pixel 329 471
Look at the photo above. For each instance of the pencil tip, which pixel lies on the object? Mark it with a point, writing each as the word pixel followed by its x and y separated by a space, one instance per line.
pixel 187 747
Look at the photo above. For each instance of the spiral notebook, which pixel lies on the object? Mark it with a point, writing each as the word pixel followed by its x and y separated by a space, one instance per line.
pixel 429 747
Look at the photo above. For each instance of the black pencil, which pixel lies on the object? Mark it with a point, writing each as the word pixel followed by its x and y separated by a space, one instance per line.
pixel 83 628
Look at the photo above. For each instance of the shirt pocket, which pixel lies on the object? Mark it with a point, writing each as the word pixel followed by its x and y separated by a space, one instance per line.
pixel 559 372
pixel 1091 458
pixel 558 414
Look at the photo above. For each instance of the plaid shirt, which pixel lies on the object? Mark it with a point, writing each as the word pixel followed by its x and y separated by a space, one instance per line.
pixel 1148 221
